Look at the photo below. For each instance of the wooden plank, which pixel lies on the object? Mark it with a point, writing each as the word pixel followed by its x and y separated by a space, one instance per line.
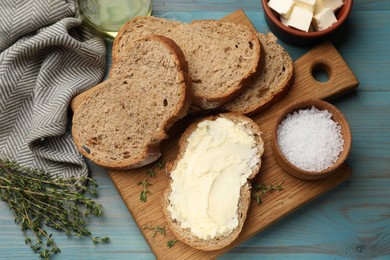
pixel 277 205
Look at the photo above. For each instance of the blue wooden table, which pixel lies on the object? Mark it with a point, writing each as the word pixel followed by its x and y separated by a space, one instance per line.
pixel 351 221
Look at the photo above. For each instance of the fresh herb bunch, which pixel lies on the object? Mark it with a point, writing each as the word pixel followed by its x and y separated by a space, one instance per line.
pixel 37 200
pixel 259 190
pixel 145 183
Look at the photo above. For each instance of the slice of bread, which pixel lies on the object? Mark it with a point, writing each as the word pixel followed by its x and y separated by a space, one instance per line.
pixel 223 57
pixel 120 124
pixel 188 158
pixel 273 82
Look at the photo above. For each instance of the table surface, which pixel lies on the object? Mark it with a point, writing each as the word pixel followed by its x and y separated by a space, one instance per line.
pixel 351 221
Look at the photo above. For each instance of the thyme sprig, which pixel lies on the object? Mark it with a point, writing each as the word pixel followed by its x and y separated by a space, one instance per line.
pixel 156 230
pixel 145 183
pixel 259 190
pixel 160 230
pixel 39 201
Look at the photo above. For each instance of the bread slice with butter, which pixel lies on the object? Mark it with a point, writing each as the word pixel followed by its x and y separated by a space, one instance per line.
pixel 121 122
pixel 273 83
pixel 223 57
pixel 208 196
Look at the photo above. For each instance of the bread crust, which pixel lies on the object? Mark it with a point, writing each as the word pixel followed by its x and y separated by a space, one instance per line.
pixel 185 235
pixel 151 151
pixel 212 102
pixel 126 28
pixel 201 99
pixel 275 93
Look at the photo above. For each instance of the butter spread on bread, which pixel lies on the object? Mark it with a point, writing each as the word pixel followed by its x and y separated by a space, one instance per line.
pixel 208 197
pixel 121 122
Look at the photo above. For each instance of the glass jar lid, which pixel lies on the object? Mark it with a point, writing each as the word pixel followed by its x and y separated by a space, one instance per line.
pixel 108 16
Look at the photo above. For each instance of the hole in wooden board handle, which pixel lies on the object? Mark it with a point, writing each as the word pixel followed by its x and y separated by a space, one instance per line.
pixel 323 64
pixel 321 72
pixel 323 57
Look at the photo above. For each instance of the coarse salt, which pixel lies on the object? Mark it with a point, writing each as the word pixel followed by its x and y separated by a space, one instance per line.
pixel 310 139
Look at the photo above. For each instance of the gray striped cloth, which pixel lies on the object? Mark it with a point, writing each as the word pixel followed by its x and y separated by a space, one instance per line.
pixel 46 58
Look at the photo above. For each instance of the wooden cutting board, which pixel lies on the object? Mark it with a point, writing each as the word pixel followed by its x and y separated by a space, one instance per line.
pixel 276 205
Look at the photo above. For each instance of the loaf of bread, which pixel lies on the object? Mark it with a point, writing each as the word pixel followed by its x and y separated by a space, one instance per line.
pixel 208 196
pixel 222 57
pixel 120 124
pixel 273 82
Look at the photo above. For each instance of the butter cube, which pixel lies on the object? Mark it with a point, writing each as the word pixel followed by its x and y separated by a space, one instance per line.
pixel 306 4
pixel 284 21
pixel 282 7
pixel 300 18
pixel 324 19
pixel 319 6
pixel 332 4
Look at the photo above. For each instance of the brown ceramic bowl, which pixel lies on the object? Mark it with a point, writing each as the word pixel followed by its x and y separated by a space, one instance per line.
pixel 336 116
pixel 297 37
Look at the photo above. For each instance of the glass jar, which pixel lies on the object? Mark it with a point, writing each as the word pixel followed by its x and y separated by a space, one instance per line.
pixel 108 16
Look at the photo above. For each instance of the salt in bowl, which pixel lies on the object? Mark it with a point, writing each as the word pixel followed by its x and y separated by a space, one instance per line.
pixel 296 171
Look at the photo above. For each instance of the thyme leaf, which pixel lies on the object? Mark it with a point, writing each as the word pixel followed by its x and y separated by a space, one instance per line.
pixel 171 243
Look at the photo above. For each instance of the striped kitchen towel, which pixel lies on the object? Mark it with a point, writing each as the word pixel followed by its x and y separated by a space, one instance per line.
pixel 46 58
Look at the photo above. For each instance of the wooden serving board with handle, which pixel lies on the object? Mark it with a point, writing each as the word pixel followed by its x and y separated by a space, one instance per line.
pixel 276 205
